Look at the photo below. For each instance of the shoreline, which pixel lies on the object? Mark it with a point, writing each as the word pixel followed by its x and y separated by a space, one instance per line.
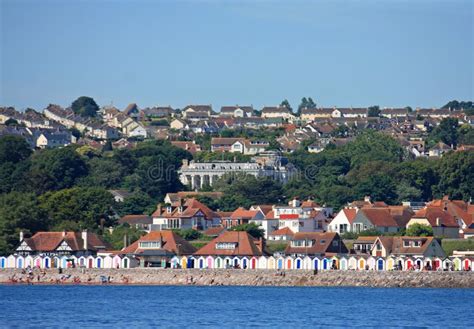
pixel 232 277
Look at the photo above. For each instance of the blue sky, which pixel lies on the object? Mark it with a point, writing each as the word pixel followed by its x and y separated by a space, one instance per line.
pixel 343 53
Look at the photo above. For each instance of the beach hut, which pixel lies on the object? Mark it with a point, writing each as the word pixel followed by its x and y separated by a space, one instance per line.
pixel 3 262
pixel 82 261
pixel 262 262
pixel 409 264
pixel 316 263
pixel 38 262
pixel 438 264
pixel 184 262
pixel 307 263
pixel 352 263
pixel 467 264
pixel 29 261
pixel 298 263
pixel 127 262
pixel 99 262
pixel 201 262
pixel 192 263
pixel 343 263
pixel 64 262
pixel 371 262
pixel 280 263
pixel 334 263
pixel 46 262
pixel 289 263
pixel 11 261
pixel 90 262
pixel 219 262
pixel 326 264
pixel 447 263
pixel 390 263
pixel 108 262
pixel 361 264
pixel 210 262
pixel 418 263
pixel 427 263
pixel 245 263
pixel 457 264
pixel 235 261
pixel 253 263
pixel 380 264
pixel 271 263
pixel 117 261
pixel 55 262
pixel 227 262
pixel 20 262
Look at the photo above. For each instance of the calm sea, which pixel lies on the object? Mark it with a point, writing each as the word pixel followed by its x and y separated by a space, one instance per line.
pixel 231 307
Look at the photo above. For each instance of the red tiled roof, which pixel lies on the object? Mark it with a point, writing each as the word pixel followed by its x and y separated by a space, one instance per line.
pixel 214 230
pixel 246 245
pixel 350 214
pixel 283 231
pixel 322 243
pixel 171 242
pixel 379 217
pixel 432 214
pixel 49 241
pixel 243 213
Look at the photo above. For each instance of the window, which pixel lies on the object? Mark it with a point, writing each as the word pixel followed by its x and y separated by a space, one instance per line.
pixel 335 243
pixel 226 245
pixel 379 246
pixel 302 243
pixel 406 243
pixel 150 244
pixel 323 241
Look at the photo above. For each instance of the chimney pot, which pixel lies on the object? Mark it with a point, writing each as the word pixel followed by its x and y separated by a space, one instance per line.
pixel 21 236
pixel 84 238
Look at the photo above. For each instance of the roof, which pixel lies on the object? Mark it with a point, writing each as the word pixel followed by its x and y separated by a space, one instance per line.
pixel 49 241
pixel 395 244
pixel 321 243
pixel 379 217
pixel 214 231
pixel 136 219
pixel 275 109
pixel 432 214
pixel 171 242
pixel 350 214
pixel 366 239
pixel 226 141
pixel 243 213
pixel 283 231
pixel 245 245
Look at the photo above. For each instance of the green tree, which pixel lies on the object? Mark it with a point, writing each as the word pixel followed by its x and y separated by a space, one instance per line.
pixel 445 132
pixel 55 169
pixel 370 232
pixel 85 106
pixel 418 229
pixel 456 176
pixel 13 149
pixel 189 234
pixel 306 103
pixel 286 104
pixel 19 212
pixel 136 204
pixel 116 238
pixel 251 229
pixel 374 111
pixel 79 208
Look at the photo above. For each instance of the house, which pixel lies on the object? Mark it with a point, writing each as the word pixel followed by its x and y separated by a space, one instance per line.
pixel 157 248
pixel 191 147
pixel 192 215
pixel 379 219
pixel 156 112
pixel 283 234
pixel 233 244
pixel 179 124
pixel 214 231
pixel 62 243
pixel 131 110
pixel 242 216
pixel 394 112
pixel 447 217
pixel 179 198
pixel 50 139
pixel 237 111
pixel 140 222
pixel 439 150
pixel 317 113
pixel 120 195
pixel 407 246
pixel 277 112
pixel 343 222
pixel 316 244
pixel 197 112
pixel 238 145
pixel 363 245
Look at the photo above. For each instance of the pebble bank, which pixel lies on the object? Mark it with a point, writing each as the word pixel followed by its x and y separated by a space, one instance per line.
pixel 209 277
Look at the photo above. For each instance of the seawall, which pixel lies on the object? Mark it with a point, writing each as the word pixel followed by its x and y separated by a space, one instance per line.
pixel 206 277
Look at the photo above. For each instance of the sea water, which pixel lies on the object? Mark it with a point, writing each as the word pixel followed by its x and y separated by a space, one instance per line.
pixel 232 307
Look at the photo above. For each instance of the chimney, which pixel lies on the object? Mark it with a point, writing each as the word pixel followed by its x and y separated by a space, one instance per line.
pixel 438 221
pixel 367 198
pixel 125 241
pixel 21 236
pixel 158 209
pixel 64 233
pixel 84 238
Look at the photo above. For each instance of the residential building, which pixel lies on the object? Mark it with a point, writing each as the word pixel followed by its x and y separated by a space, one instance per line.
pixel 283 234
pixel 237 111
pixel 277 112
pixel 363 245
pixel 233 244
pixel 343 222
pixel 157 248
pixel 407 246
pixel 316 244
pixel 62 243
pixel 140 222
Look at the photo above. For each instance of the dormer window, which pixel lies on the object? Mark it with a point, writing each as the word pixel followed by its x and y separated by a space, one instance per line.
pixel 150 245
pixel 302 243
pixel 226 245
